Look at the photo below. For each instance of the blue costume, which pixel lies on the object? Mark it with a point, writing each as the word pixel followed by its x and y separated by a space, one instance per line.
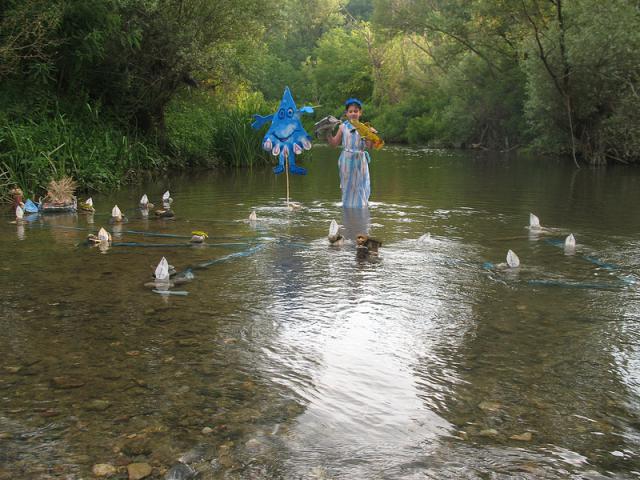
pixel 354 168
pixel 286 136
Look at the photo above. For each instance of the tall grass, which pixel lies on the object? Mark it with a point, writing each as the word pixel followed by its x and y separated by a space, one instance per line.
pixel 94 152
pixel 207 130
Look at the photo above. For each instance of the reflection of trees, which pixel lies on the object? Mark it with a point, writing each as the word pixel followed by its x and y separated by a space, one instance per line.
pixel 354 222
pixel 530 367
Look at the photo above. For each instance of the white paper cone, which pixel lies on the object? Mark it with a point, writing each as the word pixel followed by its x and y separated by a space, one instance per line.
pixel 512 259
pixel 333 228
pixel 534 222
pixel 570 242
pixel 162 270
pixel 103 235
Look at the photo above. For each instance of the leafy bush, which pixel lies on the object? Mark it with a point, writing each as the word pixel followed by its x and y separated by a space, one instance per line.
pixel 80 144
pixel 205 130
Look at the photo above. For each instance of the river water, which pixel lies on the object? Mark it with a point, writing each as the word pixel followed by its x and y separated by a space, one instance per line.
pixel 289 358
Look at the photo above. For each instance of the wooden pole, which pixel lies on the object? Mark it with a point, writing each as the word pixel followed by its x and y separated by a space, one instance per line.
pixel 286 170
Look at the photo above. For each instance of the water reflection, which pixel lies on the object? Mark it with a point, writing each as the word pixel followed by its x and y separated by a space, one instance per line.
pixel 355 221
pixel 301 362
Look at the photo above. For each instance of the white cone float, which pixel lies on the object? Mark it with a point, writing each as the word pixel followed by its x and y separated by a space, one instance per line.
pixel 144 200
pixel 512 259
pixel 253 216
pixel 162 271
pixel 19 213
pixel 570 243
pixel 333 229
pixel 116 213
pixel 103 235
pixel 534 222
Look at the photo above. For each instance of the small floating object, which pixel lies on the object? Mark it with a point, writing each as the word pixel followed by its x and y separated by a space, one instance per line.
pixel 198 236
pixel 144 203
pixel 181 293
pixel 294 206
pixel 116 216
pixel 87 205
pixel 512 259
pixel 103 237
pixel 253 216
pixel 164 213
pixel 162 270
pixel 19 213
pixel 60 196
pixel 570 243
pixel 30 206
pixel 426 238
pixel 334 234
pixel 183 277
pixel 166 199
pixel 366 246
pixel 534 222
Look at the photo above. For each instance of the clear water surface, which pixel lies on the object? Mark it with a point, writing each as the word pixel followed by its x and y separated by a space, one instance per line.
pixel 295 360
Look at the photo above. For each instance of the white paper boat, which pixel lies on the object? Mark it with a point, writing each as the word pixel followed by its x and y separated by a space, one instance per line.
pixel 512 259
pixel 534 222
pixel 162 270
pixel 103 235
pixel 570 243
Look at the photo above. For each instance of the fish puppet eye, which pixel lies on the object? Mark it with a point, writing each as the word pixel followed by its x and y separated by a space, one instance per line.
pixel 290 113
pixel 281 114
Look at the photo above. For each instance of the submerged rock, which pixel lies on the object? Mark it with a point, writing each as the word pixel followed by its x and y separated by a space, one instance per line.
pixel 66 382
pixel 180 471
pixel 103 470
pixel 523 437
pixel 138 471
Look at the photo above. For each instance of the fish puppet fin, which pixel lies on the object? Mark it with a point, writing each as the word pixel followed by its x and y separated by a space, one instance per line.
pixel 260 120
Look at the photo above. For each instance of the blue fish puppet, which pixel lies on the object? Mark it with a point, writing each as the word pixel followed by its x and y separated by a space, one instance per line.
pixel 286 136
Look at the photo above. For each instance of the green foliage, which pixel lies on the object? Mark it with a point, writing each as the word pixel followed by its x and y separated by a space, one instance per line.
pixel 341 67
pixel 603 54
pixel 73 140
pixel 205 130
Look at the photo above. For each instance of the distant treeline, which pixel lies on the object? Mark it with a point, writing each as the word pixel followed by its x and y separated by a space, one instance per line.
pixel 106 89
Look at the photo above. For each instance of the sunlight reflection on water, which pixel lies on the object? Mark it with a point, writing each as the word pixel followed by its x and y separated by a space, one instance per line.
pixel 305 362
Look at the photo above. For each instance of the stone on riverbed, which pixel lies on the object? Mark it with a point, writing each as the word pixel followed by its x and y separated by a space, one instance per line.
pixel 98 405
pixel 138 471
pixel 523 437
pixel 180 472
pixel 66 382
pixel 103 470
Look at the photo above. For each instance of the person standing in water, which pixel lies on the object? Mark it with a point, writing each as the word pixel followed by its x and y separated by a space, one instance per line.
pixel 353 163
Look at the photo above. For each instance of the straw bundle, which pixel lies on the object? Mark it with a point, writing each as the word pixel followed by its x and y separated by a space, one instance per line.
pixel 61 191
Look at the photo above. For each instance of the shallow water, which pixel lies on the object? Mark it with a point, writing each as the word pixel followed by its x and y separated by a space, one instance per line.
pixel 293 359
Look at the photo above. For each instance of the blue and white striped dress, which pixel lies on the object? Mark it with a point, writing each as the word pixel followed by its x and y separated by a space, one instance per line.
pixel 353 165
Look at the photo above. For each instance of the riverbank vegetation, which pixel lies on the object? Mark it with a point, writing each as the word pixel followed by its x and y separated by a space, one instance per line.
pixel 104 90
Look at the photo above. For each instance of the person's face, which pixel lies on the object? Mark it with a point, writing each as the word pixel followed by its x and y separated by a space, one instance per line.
pixel 353 112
